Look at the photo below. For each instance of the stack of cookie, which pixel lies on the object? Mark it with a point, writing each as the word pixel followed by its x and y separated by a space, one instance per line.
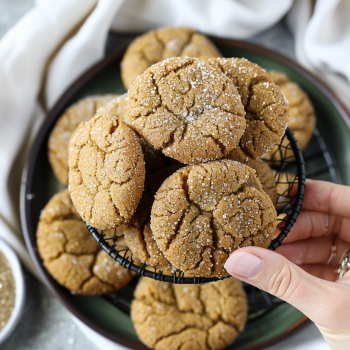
pixel 70 254
pixel 175 163
pixel 214 117
pixel 174 166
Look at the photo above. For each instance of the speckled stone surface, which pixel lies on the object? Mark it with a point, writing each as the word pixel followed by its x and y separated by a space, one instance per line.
pixel 45 324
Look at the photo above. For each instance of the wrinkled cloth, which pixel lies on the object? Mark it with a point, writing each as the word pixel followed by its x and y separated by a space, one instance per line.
pixel 322 41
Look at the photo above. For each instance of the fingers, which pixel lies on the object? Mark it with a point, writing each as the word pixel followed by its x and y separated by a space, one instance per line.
pixel 314 224
pixel 314 251
pixel 324 272
pixel 318 299
pixel 327 197
pixel 345 279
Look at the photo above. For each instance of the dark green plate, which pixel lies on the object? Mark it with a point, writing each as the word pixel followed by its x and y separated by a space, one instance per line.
pixel 39 184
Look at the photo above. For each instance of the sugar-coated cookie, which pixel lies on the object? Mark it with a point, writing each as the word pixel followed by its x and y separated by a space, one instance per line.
pixel 188 109
pixel 198 317
pixel 202 213
pixel 71 255
pixel 302 116
pixel 264 173
pixel 106 171
pixel 154 159
pixel 138 234
pixel 81 111
pixel 160 44
pixel 265 105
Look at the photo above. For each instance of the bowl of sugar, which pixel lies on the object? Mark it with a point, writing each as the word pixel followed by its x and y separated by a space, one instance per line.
pixel 12 290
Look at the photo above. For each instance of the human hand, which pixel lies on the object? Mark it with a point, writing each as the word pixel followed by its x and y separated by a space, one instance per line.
pixel 302 270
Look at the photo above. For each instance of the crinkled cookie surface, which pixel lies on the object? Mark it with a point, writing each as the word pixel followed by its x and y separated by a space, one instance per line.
pixel 81 111
pixel 267 109
pixel 158 45
pixel 154 159
pixel 106 172
pixel 197 317
pixel 264 173
pixel 138 234
pixel 302 115
pixel 188 109
pixel 202 213
pixel 71 255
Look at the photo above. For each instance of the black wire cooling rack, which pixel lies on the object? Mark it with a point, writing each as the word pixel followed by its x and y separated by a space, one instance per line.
pixel 318 165
pixel 288 207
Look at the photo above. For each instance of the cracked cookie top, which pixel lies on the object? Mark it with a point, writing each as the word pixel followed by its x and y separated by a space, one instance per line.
pixel 267 110
pixel 198 317
pixel 138 234
pixel 202 213
pixel 116 108
pixel 81 111
pixel 188 109
pixel 71 255
pixel 106 171
pixel 154 159
pixel 302 115
pixel 264 173
pixel 158 45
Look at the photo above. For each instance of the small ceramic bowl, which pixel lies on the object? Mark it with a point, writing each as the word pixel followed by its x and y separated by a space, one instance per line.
pixel 20 290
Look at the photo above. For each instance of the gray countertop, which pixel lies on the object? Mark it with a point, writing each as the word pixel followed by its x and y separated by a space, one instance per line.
pixel 45 324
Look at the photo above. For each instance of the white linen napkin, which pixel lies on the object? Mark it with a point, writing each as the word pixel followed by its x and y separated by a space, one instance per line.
pixel 322 42
pixel 57 41
pixel 225 18
pixel 24 53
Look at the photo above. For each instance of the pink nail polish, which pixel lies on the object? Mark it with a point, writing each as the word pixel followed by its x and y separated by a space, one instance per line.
pixel 244 264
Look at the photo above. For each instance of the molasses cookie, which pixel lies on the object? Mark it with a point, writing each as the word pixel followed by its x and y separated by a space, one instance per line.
pixel 106 172
pixel 138 234
pixel 141 242
pixel 71 255
pixel 302 115
pixel 265 105
pixel 285 181
pixel 81 111
pixel 264 173
pixel 154 159
pixel 158 45
pixel 116 108
pixel 202 213
pixel 188 109
pixel 198 317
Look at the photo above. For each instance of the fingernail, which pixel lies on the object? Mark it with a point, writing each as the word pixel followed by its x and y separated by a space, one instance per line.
pixel 244 264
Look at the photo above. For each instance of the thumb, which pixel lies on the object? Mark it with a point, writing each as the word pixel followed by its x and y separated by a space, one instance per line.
pixel 319 300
